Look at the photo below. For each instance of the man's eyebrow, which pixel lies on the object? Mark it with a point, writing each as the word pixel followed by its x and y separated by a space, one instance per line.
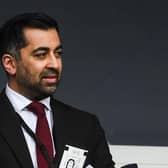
pixel 40 49
pixel 58 47
pixel 45 49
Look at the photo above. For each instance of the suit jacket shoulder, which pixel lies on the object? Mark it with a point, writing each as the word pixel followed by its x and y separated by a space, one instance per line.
pixel 81 129
pixel 13 148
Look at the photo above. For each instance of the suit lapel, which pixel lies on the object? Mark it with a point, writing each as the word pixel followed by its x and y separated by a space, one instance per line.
pixel 63 130
pixel 59 129
pixel 11 131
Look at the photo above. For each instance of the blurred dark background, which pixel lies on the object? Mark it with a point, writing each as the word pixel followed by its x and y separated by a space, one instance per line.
pixel 115 63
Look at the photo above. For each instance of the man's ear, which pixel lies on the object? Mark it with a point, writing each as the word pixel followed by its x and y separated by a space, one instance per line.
pixel 9 63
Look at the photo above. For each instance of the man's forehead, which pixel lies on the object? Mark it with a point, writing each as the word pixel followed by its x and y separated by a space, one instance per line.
pixel 37 32
pixel 42 38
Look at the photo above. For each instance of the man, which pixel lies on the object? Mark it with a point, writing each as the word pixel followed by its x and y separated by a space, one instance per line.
pixel 35 129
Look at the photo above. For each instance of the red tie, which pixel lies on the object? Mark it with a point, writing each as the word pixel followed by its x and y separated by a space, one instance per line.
pixel 42 132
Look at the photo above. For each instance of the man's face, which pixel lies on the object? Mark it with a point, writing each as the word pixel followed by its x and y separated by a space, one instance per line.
pixel 38 72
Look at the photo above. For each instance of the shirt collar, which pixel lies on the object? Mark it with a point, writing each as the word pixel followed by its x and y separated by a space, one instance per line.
pixel 20 102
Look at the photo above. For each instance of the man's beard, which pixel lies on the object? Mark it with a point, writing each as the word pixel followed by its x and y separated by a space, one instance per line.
pixel 39 90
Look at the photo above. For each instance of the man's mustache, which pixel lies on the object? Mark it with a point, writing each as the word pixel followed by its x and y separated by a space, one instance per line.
pixel 49 72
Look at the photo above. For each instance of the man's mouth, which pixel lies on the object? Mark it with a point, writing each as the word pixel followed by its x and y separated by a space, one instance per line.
pixel 50 78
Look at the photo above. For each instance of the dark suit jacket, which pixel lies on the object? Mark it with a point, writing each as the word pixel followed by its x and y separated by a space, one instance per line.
pixel 71 127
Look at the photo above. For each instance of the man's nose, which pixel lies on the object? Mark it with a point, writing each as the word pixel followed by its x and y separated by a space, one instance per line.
pixel 52 61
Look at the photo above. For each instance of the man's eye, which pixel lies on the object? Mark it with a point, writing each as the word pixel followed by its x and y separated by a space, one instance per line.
pixel 40 54
pixel 58 53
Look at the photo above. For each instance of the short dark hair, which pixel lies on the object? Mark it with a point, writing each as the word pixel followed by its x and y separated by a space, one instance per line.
pixel 12 37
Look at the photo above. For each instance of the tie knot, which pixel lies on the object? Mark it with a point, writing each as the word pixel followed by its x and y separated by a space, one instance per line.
pixel 37 108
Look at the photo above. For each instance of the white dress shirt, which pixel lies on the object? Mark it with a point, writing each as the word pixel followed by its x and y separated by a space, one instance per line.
pixel 20 103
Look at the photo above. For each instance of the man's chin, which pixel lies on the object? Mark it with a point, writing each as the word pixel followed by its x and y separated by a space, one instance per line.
pixel 50 89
